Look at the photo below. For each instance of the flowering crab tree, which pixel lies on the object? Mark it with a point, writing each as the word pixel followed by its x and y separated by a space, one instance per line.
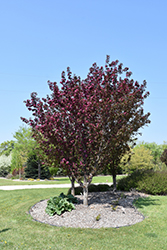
pixel 89 123
pixel 122 114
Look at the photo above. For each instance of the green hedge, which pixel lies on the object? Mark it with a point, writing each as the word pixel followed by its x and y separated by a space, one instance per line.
pixel 150 182
pixel 91 188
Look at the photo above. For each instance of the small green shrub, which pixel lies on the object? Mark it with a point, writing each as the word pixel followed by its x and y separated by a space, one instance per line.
pixel 114 208
pixel 151 182
pixel 9 176
pixel 78 191
pixel 98 217
pixel 155 184
pixel 91 188
pixel 103 187
pixel 69 197
pixel 15 177
pixel 60 204
pixel 130 181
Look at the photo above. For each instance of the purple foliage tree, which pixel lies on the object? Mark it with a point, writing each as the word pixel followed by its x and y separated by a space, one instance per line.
pixel 89 123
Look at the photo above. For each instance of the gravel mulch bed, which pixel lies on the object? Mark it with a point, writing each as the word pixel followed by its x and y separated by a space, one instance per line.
pixel 115 210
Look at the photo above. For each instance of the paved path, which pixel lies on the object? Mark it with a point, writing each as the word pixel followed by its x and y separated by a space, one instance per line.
pixel 42 186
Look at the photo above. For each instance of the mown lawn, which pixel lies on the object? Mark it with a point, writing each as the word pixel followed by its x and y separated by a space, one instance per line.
pixel 60 180
pixel 6 182
pixel 19 231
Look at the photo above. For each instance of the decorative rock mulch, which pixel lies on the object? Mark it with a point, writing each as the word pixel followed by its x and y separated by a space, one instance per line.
pixel 115 209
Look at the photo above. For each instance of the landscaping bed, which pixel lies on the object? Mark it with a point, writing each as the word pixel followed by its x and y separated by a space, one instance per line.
pixel 105 209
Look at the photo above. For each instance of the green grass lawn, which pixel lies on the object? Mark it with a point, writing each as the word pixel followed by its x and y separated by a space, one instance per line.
pixel 19 231
pixel 6 182
pixel 61 180
pixel 105 179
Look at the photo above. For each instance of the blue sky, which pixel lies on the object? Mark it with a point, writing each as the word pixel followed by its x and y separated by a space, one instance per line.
pixel 40 39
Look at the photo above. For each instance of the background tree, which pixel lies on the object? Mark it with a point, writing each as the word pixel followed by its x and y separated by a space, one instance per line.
pixel 18 161
pixel 32 168
pixel 5 164
pixel 91 122
pixel 164 157
pixel 141 159
pixel 6 147
pixel 24 143
pixel 51 157
pixel 19 150
pixel 156 152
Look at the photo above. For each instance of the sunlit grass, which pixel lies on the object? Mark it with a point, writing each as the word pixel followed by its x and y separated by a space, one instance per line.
pixel 105 178
pixel 58 180
pixel 19 231
pixel 6 182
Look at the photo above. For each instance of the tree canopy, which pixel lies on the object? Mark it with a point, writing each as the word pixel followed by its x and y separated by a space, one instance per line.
pixel 164 157
pixel 6 147
pixel 89 123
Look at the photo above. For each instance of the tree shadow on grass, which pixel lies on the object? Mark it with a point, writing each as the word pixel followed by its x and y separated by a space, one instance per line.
pixel 151 235
pixel 4 230
pixel 146 201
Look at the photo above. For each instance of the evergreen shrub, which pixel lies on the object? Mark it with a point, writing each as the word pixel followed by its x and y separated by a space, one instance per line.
pixel 31 171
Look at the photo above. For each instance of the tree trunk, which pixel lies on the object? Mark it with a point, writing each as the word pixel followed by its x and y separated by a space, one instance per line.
pixel 85 192
pixel 72 186
pixel 39 170
pixel 19 173
pixel 114 181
